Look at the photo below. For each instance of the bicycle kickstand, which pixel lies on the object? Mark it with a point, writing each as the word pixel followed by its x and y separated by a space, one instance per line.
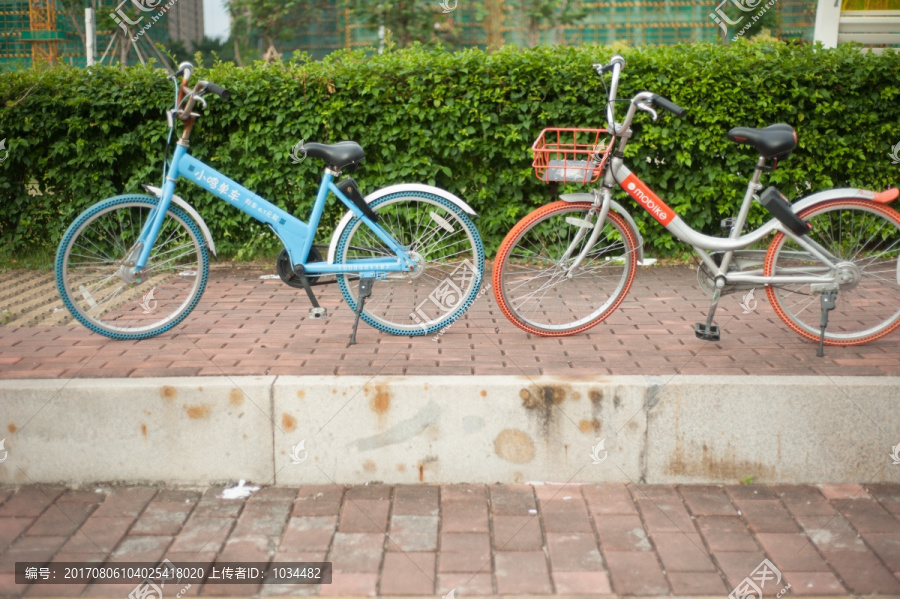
pixel 707 330
pixel 365 290
pixel 829 299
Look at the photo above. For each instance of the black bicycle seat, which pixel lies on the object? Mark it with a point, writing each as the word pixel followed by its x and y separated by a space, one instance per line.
pixel 339 155
pixel 773 141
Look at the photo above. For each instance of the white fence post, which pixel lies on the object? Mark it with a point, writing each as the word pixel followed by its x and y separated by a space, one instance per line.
pixel 828 18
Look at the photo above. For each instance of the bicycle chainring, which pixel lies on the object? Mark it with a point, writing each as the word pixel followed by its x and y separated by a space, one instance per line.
pixel 707 280
pixel 286 270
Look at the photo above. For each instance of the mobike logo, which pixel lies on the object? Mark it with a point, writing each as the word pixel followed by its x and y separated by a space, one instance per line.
pixel 646 198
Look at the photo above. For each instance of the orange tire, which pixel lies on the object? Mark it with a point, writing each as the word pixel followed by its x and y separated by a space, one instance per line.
pixel 869 299
pixel 575 299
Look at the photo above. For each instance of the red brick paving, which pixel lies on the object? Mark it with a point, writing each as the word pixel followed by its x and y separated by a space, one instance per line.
pixel 247 326
pixel 478 540
pixel 513 552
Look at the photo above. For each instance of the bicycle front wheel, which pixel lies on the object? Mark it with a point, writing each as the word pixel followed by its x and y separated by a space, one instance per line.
pixel 448 251
pixel 865 237
pixel 94 269
pixel 535 284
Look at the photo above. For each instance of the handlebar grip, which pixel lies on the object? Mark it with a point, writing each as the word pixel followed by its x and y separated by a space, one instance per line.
pixel 669 105
pixel 218 90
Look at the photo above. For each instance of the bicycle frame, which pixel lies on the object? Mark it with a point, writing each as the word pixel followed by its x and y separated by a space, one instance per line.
pixel 296 235
pixel 664 215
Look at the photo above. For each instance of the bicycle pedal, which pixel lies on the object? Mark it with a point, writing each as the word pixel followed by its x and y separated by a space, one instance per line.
pixel 710 333
pixel 318 312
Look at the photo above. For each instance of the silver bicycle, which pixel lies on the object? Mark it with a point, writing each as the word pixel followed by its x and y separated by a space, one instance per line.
pixel 568 265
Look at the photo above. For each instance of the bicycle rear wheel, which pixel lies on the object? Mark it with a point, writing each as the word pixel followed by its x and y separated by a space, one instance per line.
pixel 865 236
pixel 450 256
pixel 94 274
pixel 531 282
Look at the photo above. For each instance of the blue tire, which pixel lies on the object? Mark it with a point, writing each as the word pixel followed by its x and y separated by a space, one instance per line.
pixel 449 252
pixel 101 290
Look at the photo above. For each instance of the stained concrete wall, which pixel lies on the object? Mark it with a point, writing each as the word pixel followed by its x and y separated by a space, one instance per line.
pixel 297 430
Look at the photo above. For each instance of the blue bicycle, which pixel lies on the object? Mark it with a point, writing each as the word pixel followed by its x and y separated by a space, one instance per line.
pixel 407 258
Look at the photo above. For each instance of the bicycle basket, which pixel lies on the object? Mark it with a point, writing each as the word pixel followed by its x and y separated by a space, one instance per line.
pixel 570 155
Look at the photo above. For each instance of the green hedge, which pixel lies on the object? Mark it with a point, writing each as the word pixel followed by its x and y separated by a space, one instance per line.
pixel 463 121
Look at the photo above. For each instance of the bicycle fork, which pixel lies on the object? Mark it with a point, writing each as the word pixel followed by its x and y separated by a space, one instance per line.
pixel 583 225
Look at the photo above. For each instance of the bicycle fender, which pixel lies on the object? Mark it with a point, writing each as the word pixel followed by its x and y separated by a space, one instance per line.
pixel 833 194
pixel 618 208
pixel 179 201
pixel 380 193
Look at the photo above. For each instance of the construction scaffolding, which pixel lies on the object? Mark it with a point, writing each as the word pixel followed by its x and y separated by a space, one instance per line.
pixel 35 32
pixel 43 34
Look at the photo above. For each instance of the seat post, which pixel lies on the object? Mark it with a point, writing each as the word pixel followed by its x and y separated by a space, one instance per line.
pixel 752 187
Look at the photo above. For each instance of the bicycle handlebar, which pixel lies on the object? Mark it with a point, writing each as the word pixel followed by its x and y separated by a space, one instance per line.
pixel 668 105
pixel 218 90
pixel 617 59
pixel 185 70
pixel 616 64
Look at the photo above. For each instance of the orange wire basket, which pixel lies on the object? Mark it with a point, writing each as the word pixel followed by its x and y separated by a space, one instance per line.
pixel 570 155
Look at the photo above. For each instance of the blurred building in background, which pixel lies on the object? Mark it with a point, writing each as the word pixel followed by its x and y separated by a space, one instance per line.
pixel 48 31
pixel 52 31
pixel 492 24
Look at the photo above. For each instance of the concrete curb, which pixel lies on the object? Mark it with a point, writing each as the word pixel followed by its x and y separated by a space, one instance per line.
pixel 351 430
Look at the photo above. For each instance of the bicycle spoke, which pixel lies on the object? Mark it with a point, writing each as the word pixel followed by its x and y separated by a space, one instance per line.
pixel 106 294
pixel 865 237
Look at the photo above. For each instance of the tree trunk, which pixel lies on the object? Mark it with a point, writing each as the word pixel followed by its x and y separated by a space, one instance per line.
pixel 237 50
pixel 123 48
pixel 77 25
pixel 272 54
pixel 534 32
pixel 236 22
pixel 559 33
pixel 493 24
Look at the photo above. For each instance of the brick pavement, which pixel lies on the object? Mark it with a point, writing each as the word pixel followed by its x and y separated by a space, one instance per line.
pixel 247 326
pixel 474 539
